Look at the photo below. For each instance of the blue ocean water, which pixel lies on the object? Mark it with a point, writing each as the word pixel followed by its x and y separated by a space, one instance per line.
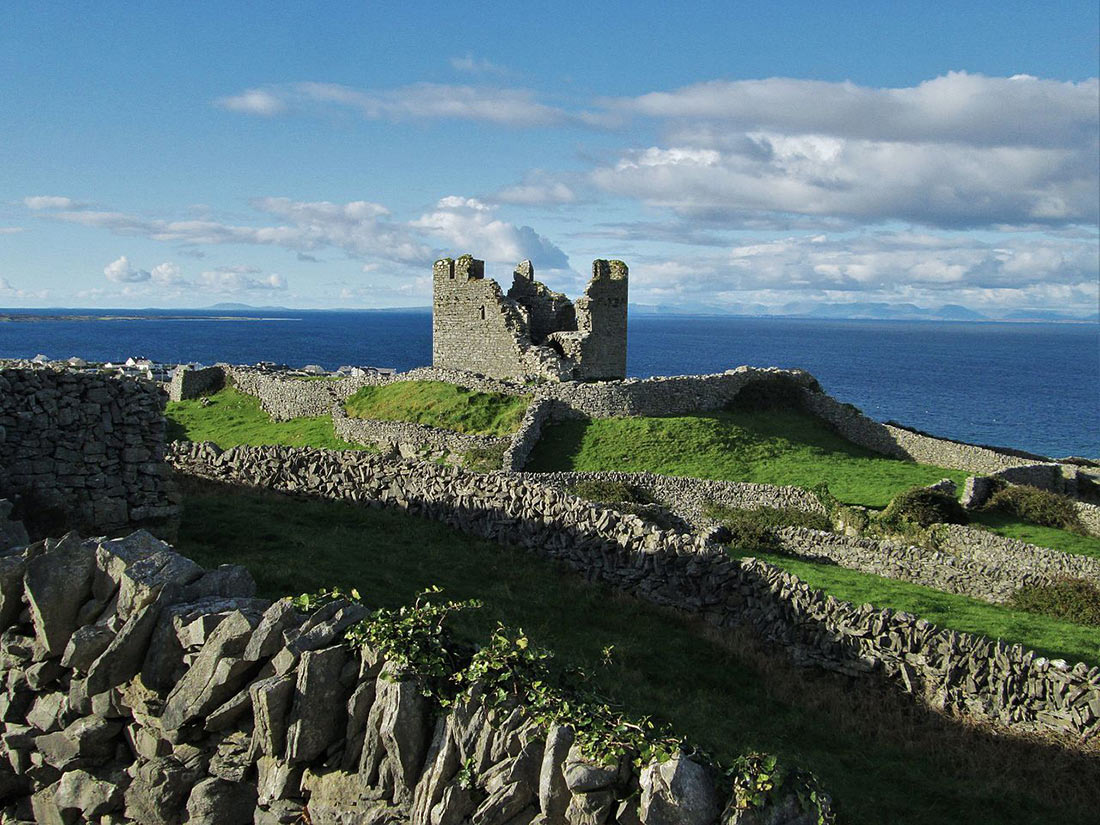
pixel 1030 386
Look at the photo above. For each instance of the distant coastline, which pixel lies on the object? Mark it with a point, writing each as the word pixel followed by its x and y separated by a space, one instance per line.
pixel 90 317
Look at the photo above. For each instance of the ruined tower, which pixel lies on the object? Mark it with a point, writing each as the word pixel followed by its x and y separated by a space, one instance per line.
pixel 532 332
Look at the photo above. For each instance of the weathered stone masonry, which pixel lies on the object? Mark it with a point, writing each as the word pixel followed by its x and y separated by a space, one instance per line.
pixel 88 444
pixel 532 332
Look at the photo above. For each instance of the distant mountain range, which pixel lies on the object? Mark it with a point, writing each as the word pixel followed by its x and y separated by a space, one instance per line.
pixel 867 310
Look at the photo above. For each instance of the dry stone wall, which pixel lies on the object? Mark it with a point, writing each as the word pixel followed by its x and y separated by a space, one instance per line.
pixel 1016 558
pixel 143 688
pixel 412 440
pixel 689 498
pixel 959 672
pixel 284 397
pixel 188 382
pixel 88 444
pixel 899 442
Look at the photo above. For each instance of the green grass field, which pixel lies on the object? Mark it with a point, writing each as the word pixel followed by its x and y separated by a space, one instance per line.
pixel 769 447
pixel 437 404
pixel 885 759
pixel 1014 528
pixel 233 418
pixel 1052 637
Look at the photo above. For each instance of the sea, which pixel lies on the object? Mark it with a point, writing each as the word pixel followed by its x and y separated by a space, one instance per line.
pixel 1030 386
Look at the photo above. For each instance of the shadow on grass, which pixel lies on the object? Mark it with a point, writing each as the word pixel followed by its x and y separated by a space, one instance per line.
pixel 886 758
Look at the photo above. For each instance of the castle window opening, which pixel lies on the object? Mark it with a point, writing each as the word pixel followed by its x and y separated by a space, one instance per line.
pixel 482 312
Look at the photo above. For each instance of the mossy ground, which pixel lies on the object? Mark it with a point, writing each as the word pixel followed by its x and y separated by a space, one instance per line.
pixel 886 759
pixel 231 418
pixel 438 404
pixel 784 447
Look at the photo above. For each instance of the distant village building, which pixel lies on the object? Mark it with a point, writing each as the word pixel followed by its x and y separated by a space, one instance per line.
pixel 532 332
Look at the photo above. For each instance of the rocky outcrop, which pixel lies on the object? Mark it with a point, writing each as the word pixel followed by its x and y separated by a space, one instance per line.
pixel 228 709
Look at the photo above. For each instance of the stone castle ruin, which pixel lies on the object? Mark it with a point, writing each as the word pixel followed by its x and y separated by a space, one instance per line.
pixel 532 332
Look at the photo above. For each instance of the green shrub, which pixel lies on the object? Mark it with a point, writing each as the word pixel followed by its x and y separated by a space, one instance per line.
pixel 1040 507
pixel 610 492
pixel 922 507
pixel 1074 600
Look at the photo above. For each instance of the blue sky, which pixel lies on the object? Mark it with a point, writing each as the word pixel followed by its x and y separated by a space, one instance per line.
pixel 740 157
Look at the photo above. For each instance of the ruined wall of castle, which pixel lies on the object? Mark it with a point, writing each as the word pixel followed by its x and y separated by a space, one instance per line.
pixel 532 331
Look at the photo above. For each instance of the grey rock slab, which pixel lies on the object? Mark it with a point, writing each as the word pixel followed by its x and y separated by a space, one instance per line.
pixel 404 731
pixel 585 776
pixel 214 801
pixel 12 570
pixel 441 765
pixel 215 675
pixel 678 792
pixel 88 794
pixel 143 581
pixel 317 716
pixel 267 638
pixel 114 556
pixel 160 788
pixel 48 711
pixel 57 583
pixel 88 738
pixel 553 791
pixel 454 806
pixel 277 779
pixel 85 646
pixel 317 632
pixel 48 812
pixel 271 701
pixel 593 808
pixel 226 715
pixel 503 804
pixel 232 761
pixel 164 658
pixel 122 659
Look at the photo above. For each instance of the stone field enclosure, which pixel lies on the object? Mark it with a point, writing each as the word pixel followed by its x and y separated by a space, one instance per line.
pixel 447 597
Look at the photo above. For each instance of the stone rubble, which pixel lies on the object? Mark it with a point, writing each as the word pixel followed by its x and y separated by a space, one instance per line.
pixel 269 717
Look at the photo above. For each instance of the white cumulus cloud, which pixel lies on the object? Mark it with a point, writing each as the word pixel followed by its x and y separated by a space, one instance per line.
pixel 468 224
pixel 122 272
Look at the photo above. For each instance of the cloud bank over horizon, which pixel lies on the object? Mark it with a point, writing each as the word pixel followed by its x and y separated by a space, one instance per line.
pixel 771 193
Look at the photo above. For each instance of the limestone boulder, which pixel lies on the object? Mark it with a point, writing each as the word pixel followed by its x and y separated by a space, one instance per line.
pixel 317 717
pixel 215 801
pixel 216 674
pixel 57 582
pixel 90 795
pixel 678 792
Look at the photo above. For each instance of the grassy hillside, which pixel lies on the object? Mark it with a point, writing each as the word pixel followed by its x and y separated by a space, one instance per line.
pixel 770 447
pixel 437 404
pixel 885 759
pixel 231 418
